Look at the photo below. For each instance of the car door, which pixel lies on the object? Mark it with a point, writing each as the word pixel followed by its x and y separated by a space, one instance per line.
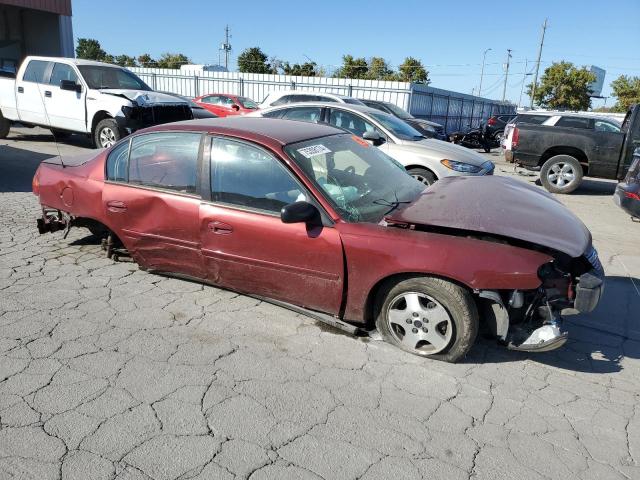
pixel 30 92
pixel 608 145
pixel 151 200
pixel 66 108
pixel 356 124
pixel 213 104
pixel 245 245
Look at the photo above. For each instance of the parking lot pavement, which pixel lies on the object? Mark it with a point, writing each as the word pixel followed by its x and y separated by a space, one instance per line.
pixel 107 371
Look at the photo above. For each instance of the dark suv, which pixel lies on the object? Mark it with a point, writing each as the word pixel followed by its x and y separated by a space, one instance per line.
pixel 494 128
pixel 425 127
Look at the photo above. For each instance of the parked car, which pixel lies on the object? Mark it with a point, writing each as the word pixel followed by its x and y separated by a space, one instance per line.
pixel 495 125
pixel 425 127
pixel 197 111
pixel 223 105
pixel 627 195
pixel 316 219
pixel 506 141
pixel 282 97
pixel 566 147
pixel 69 95
pixel 426 159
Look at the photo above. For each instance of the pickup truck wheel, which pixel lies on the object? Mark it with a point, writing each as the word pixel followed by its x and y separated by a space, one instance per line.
pixel 561 174
pixel 107 133
pixel 423 175
pixel 430 317
pixel 5 126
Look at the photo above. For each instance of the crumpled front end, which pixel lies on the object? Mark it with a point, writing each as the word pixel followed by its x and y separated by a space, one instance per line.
pixel 137 116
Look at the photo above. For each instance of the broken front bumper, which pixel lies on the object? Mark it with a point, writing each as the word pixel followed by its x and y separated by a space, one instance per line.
pixel 590 286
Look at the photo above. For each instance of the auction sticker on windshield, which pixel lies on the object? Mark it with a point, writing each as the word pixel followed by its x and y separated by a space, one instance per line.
pixel 313 150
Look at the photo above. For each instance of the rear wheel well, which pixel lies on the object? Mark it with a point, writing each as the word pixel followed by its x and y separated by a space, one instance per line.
pixel 572 151
pixel 371 304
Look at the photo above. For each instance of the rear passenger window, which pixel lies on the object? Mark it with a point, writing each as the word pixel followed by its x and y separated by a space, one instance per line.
pixel 282 100
pixel 35 71
pixel 166 160
pixel 117 163
pixel 574 122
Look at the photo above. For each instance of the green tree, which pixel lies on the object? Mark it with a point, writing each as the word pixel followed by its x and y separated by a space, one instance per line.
pixel 627 91
pixel 307 69
pixel 563 86
pixel 172 60
pixel 90 49
pixel 253 60
pixel 145 60
pixel 378 69
pixel 125 61
pixel 352 68
pixel 412 70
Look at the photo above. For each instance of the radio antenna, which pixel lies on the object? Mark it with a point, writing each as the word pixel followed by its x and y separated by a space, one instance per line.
pixel 53 132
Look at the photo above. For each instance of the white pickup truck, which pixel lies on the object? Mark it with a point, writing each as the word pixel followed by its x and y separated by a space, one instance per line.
pixel 69 95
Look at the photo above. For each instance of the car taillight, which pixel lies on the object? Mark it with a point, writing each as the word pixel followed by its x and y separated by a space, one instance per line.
pixel 491 121
pixel 35 184
pixel 632 195
pixel 515 138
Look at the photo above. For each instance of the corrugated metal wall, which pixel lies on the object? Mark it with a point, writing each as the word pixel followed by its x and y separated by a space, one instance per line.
pixel 61 7
pixel 456 111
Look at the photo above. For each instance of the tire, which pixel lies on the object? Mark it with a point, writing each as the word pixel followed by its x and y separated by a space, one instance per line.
pixel 60 134
pixel 422 175
pixel 5 126
pixel 497 137
pixel 106 133
pixel 561 174
pixel 443 315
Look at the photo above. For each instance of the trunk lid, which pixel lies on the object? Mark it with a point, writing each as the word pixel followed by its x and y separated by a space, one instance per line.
pixel 500 206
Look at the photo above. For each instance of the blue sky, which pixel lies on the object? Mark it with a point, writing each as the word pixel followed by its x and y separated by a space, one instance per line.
pixel 448 37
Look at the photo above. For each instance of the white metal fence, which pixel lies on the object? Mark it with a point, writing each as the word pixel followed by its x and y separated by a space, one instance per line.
pixel 456 111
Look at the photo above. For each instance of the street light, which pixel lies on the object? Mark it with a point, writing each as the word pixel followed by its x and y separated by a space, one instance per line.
pixel 484 57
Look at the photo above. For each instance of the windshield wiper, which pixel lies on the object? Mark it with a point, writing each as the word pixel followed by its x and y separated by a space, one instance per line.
pixel 392 204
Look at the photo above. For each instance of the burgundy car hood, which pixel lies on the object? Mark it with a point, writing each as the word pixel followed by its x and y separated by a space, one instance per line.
pixel 500 206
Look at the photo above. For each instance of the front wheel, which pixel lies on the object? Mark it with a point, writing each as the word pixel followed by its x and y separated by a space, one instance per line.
pixel 430 317
pixel 561 174
pixel 422 175
pixel 107 133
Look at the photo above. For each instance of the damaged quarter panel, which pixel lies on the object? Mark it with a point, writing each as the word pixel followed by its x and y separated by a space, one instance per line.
pixel 375 252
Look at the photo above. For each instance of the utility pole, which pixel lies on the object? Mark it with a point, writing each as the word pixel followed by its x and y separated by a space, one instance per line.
pixel 535 78
pixel 484 57
pixel 524 80
pixel 506 75
pixel 226 47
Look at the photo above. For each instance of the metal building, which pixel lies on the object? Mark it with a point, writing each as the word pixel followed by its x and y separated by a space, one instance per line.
pixel 34 27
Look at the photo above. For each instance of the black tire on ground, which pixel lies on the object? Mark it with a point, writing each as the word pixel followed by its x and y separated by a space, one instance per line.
pixel 457 302
pixel 60 134
pixel 423 175
pixel 5 126
pixel 106 133
pixel 561 174
pixel 498 136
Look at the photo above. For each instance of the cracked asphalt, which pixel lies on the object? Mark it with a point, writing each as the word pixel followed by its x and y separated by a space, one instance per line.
pixel 108 372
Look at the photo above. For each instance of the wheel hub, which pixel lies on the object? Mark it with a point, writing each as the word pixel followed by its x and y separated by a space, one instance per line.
pixel 561 174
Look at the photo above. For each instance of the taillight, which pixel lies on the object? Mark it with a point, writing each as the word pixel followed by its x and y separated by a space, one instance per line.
pixel 632 195
pixel 35 183
pixel 515 138
pixel 491 121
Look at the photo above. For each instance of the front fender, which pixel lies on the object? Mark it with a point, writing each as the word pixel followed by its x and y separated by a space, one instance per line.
pixel 375 253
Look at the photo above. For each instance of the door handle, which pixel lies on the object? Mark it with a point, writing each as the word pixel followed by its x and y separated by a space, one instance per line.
pixel 220 228
pixel 116 206
pixel 20 89
pixel 47 93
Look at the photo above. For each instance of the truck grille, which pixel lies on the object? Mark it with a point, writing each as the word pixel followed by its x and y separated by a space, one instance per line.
pixel 157 114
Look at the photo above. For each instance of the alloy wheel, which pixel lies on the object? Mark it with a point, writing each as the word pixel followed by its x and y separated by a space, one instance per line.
pixel 419 323
pixel 107 137
pixel 561 174
pixel 421 178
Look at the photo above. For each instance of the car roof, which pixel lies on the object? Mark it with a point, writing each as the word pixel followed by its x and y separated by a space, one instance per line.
pixel 264 130
pixel 343 106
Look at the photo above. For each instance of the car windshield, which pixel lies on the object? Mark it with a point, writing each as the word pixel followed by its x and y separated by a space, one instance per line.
pixel 98 77
pixel 398 127
pixel 358 179
pixel 247 102
pixel 397 111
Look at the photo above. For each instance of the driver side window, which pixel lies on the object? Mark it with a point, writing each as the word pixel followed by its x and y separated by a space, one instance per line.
pixel 247 176
pixel 349 121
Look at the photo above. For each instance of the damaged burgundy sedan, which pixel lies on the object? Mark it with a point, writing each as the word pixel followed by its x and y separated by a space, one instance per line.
pixel 315 219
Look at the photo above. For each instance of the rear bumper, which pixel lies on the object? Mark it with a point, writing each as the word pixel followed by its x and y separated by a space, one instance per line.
pixel 627 198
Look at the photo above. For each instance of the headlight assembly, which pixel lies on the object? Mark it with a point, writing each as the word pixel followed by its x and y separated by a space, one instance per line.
pixel 460 166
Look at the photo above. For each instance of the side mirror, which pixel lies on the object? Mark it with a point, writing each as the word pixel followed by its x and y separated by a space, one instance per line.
pixel 70 85
pixel 235 107
pixel 300 212
pixel 374 137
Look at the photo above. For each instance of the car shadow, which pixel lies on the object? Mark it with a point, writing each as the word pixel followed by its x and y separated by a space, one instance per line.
pixel 598 341
pixel 45 136
pixel 17 167
pixel 592 187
